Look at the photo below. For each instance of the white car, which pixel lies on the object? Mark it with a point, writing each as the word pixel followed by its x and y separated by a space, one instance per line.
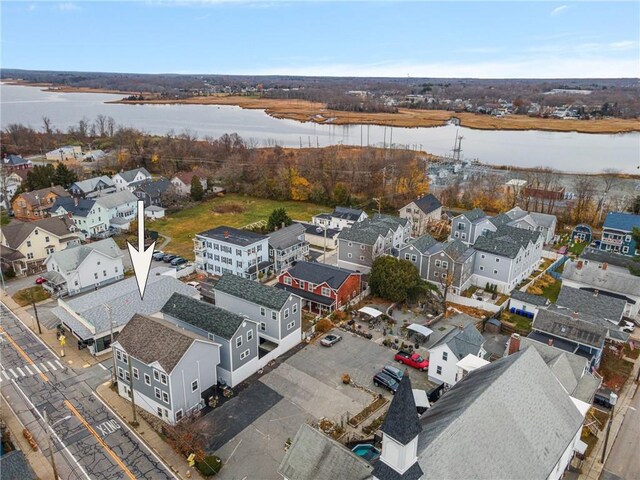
pixel 627 327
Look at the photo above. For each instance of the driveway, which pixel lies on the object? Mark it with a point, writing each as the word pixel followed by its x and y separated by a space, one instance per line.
pixel 15 284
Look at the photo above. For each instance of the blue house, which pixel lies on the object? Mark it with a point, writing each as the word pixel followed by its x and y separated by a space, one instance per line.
pixel 582 233
pixel 616 233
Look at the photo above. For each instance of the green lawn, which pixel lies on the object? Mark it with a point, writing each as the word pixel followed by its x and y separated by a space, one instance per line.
pixel 232 210
pixel 26 295
pixel 4 217
pixel 518 321
pixel 578 247
pixel 552 291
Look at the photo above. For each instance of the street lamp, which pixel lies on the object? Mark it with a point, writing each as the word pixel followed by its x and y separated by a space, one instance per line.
pixel 613 399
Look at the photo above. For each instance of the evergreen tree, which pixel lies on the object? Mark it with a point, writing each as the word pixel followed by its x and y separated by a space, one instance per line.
pixel 197 192
pixel 395 280
pixel 40 176
pixel 277 218
pixel 64 176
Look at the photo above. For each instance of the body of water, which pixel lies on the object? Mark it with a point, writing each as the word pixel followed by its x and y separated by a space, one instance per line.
pixel 567 151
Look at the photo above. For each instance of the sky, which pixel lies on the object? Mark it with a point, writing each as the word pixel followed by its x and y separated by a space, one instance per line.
pixel 514 39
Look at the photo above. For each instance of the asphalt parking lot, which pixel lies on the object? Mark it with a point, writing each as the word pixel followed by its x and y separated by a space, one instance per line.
pixel 306 387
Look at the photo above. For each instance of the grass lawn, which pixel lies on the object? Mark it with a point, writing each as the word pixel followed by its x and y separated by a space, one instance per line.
pixel 631 353
pixel 615 371
pixel 552 291
pixel 520 322
pixel 578 247
pixel 183 225
pixel 23 297
pixel 4 217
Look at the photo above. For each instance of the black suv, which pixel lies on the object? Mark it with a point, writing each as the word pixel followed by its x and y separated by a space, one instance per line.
pixel 382 379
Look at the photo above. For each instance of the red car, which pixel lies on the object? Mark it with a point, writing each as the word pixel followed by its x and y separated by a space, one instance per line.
pixel 40 280
pixel 413 360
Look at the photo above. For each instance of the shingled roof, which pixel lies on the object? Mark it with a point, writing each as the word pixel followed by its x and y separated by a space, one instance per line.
pixel 474 215
pixel 401 422
pixel 428 203
pixel 251 291
pixel 622 221
pixel 318 273
pixel 78 207
pixel 506 241
pixel 423 243
pixel 17 231
pixel 591 303
pixel 232 235
pixel 538 300
pixel 70 258
pixel 462 342
pixel 570 328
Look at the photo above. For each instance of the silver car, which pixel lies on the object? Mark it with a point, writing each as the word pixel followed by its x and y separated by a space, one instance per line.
pixel 330 340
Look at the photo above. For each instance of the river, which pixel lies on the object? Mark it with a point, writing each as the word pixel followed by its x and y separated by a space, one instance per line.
pixel 567 151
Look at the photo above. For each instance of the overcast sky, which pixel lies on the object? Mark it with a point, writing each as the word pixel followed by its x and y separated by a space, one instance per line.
pixel 394 39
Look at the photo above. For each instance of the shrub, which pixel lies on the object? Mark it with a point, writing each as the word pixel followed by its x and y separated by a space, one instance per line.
pixel 10 273
pixel 209 466
pixel 324 325
pixel 346 379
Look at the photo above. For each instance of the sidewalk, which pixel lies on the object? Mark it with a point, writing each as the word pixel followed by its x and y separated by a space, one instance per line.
pixel 148 435
pixel 74 357
pixel 592 468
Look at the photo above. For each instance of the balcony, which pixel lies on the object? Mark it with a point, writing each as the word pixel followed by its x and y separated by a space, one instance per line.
pixel 198 247
pixel 612 241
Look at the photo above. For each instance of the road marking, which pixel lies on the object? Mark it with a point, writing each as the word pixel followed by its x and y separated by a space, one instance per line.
pixel 108 427
pixel 59 364
pixel 13 373
pixel 29 330
pixel 104 445
pixel 53 367
pixel 35 367
pixel 103 367
pixel 21 372
pixel 5 375
pixel 631 408
pixel 21 351
pixel 27 369
pixel 43 367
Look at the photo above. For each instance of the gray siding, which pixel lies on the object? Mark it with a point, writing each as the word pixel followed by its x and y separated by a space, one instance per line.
pixel 356 252
pixel 487 264
pixel 199 363
pixel 139 384
pixel 251 345
pixel 421 261
pixel 293 317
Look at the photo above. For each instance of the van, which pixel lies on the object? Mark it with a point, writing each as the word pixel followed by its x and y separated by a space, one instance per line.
pixel 394 372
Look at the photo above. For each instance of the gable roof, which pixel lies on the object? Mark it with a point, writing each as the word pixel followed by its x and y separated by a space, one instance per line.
pixel 113 200
pixel 129 175
pixel 154 340
pixel 568 327
pixel 454 248
pixel 474 215
pixel 15 160
pixel 611 279
pixel 318 273
pixel 345 213
pixel 286 237
pixel 17 231
pixel 538 300
pixel 70 258
pixel 603 256
pixel 621 221
pixel 35 197
pixel 90 184
pixel 428 203
pixel 506 241
pixel 78 207
pixel 370 229
pixel 314 456
pixel 599 306
pixel 490 402
pixel 462 341
pixel 543 219
pixel 234 236
pixel 422 243
pixel 501 219
pixel 251 291
pixel 187 177
pixel 203 315
pixel 154 188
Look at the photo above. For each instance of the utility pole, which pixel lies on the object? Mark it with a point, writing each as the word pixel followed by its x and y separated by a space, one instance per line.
pixel 379 202
pixel 133 401
pixel 35 311
pixel 613 399
pixel 113 373
pixel 47 428
pixel 324 257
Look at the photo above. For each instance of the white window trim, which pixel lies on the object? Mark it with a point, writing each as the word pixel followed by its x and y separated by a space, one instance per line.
pixel 197 385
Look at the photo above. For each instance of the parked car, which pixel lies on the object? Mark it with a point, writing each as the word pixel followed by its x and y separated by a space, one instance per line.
pixel 394 372
pixel 168 257
pixel 330 340
pixel 178 261
pixel 195 285
pixel 382 379
pixel 603 397
pixel 40 280
pixel 158 255
pixel 413 360
pixel 563 249
pixel 627 327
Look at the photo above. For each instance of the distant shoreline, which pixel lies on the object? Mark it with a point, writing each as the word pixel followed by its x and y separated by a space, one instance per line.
pixel 315 112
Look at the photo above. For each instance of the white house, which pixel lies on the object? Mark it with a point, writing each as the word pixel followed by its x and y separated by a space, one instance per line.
pixel 89 216
pixel 92 187
pixel 124 180
pixel 121 208
pixel 424 210
pixel 341 217
pixel 182 181
pixel 72 152
pixel 9 183
pixel 172 368
pixel 541 222
pixel 154 211
pixel 84 267
pixel 455 345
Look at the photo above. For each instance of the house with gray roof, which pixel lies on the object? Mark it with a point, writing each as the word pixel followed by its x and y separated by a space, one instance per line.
pixel 592 304
pixel 468 226
pixel 286 246
pixel 237 335
pixel 422 212
pixel 83 267
pixel 151 192
pixel 320 237
pixel 276 311
pixel 121 208
pixel 450 349
pixel 124 180
pixel 89 216
pixel 92 187
pixel 541 222
pixel 92 317
pixel 171 369
pixel 341 217
pixel 526 304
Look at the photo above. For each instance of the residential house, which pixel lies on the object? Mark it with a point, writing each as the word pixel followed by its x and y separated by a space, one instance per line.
pixel 572 371
pixel 151 192
pixel 182 181
pixel 170 368
pixel 320 237
pixel 418 251
pixel 124 180
pixel 92 187
pixel 154 211
pixel 25 245
pixel 90 218
pixel 582 233
pixel 15 162
pixel 230 250
pixel 121 209
pixel 36 204
pixel 444 442
pixel 423 211
pixel 363 242
pixel 506 256
pixel 451 265
pixel 606 279
pixel 469 226
pixel 468 364
pixel 616 233
pixel 592 303
pixel 323 288
pixel 526 304
pixel 450 349
pixel 71 152
pixel 83 267
pixel 287 246
pixel 541 222
pixel 9 183
pixel 93 155
pixel 94 316
pixel 236 335
pixel 278 313
pixel 341 217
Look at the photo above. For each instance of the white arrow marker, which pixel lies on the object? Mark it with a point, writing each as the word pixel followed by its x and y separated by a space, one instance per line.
pixel 141 258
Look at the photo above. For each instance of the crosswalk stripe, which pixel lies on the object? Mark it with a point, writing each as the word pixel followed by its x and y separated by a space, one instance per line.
pixel 13 373
pixel 20 370
pixel 35 367
pixel 44 367
pixel 5 375
pixel 53 367
pixel 27 369
pixel 59 364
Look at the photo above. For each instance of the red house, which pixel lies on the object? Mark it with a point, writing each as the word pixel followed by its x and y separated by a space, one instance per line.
pixel 323 288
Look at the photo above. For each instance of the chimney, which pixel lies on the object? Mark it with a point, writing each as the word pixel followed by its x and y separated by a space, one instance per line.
pixel 514 344
pixel 574 314
pixel 595 293
pixel 550 342
pixel 579 264
pixel 605 265
pixel 226 234
pixel 75 201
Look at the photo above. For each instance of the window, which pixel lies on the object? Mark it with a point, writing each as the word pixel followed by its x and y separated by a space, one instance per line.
pixel 156 375
pixel 163 378
pixel 244 354
pixel 438 263
pixel 495 272
pixel 136 374
pixel 125 358
pixel 179 415
pixel 444 275
pixel 497 260
pixel 291 325
pixel 156 391
pixel 104 273
pixel 50 250
pixel 361 247
pixel 95 275
pixel 406 256
pixel 464 236
pixel 120 373
pixel 147 379
pixel 127 377
pixel 263 311
pixel 361 257
pixel 287 280
pixel 238 342
pixel 436 274
pixel 326 291
pixel 445 264
pixel 119 355
pixel 28 243
pixel 456 234
pixel 273 315
pixel 445 355
pixel 414 258
pixel 481 268
pixel 286 313
pixel 29 256
pixel 263 326
pixel 439 370
pixel 349 255
pixel 350 244
pixel 194 385
pixel 302 284
pixel 294 308
pixel 165 397
pixel 160 411
pixel 482 256
pixel 249 335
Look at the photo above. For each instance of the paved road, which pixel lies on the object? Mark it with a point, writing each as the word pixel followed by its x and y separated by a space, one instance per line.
pixel 623 461
pixel 89 440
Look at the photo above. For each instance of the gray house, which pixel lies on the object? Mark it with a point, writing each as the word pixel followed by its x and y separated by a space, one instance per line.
pixel 422 211
pixel 286 246
pixel 468 226
pixel 277 313
pixel 236 335
pixel 418 251
pixel 172 368
pixel 92 187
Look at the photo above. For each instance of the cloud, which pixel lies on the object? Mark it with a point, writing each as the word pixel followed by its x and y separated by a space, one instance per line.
pixel 559 10
pixel 68 7
pixel 32 7
pixel 623 45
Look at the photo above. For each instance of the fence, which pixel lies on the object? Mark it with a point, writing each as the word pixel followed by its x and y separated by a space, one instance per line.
pixel 470 302
pixel 555 265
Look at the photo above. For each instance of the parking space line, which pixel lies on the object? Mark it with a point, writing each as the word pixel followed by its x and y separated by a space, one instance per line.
pixel 43 367
pixel 35 367
pixel 5 375
pixel 20 371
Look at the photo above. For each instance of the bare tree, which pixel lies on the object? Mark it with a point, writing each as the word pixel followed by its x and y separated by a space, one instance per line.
pixel 584 186
pixel 46 123
pixel 609 178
